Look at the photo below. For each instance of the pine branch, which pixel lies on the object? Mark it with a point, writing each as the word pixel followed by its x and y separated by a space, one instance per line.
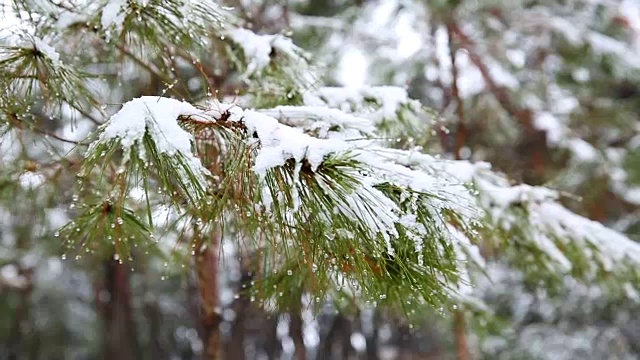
pixel 499 92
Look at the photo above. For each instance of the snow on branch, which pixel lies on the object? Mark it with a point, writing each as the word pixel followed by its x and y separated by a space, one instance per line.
pixel 280 65
pixel 389 109
pixel 378 103
pixel 333 184
pixel 259 50
pixel 278 142
pixel 555 227
pixel 550 225
pixel 538 219
pixel 577 32
pixel 156 116
pixel 322 121
pixel 147 129
pixel 178 18
pixel 398 197
pixel 32 67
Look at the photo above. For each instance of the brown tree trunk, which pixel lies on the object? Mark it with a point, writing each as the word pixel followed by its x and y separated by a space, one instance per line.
pixel 114 304
pixel 461 130
pixel 460 331
pixel 154 317
pixel 372 337
pixel 296 329
pixel 17 342
pixel 207 263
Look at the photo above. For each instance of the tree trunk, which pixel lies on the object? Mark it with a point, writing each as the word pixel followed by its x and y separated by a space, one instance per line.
pixel 154 317
pixel 371 335
pixel 114 304
pixel 460 330
pixel 296 330
pixel 17 342
pixel 207 262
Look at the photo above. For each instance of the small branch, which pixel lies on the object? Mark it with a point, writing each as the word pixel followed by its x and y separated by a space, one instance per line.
pixel 461 132
pixel 200 125
pixel 498 91
pixel 15 121
pixel 286 14
pixel 50 134
pixel 149 69
pixel 88 116
pixel 141 63
pixel 534 140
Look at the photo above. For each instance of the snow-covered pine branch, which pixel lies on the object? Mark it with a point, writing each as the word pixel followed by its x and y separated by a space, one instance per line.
pixel 361 210
pixel 336 192
pixel 389 209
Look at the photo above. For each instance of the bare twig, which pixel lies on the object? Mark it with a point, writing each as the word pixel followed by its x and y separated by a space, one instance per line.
pixel 499 92
pixel 18 124
pixel 461 131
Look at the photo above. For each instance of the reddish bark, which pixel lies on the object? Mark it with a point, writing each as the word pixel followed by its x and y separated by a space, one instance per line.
pixel 460 331
pixel 207 262
pixel 113 299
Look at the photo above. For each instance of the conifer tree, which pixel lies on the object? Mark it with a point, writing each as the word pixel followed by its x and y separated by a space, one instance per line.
pixel 169 135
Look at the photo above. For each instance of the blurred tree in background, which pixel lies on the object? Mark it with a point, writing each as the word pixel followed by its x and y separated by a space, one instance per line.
pixel 179 180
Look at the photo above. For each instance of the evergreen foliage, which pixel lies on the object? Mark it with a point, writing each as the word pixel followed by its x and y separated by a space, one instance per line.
pixel 146 131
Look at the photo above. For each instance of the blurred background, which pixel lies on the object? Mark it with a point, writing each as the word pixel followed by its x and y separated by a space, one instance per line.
pixel 548 91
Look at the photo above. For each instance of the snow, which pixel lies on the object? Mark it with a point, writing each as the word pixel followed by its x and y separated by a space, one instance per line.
pixel 333 117
pixel 280 143
pixel 258 49
pixel 352 68
pixel 499 198
pixel 310 335
pixel 47 50
pixel 603 44
pixel 66 19
pixel 9 275
pixel 113 16
pixel 470 80
pixel 562 101
pixel 390 99
pixel 358 341
pixel 567 326
pixel 322 120
pixel 614 247
pixel 581 74
pixel 31 180
pixel 130 123
pixel 377 103
pixel 283 134
pixel 558 134
pixel 630 9
pixel 158 117
pixel 449 191
pixel 552 224
pixel 56 217
pixel 582 150
pixel 466 247
pixel 549 221
pixel 579 33
pixel 569 31
pixel 517 57
pixel 551 125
